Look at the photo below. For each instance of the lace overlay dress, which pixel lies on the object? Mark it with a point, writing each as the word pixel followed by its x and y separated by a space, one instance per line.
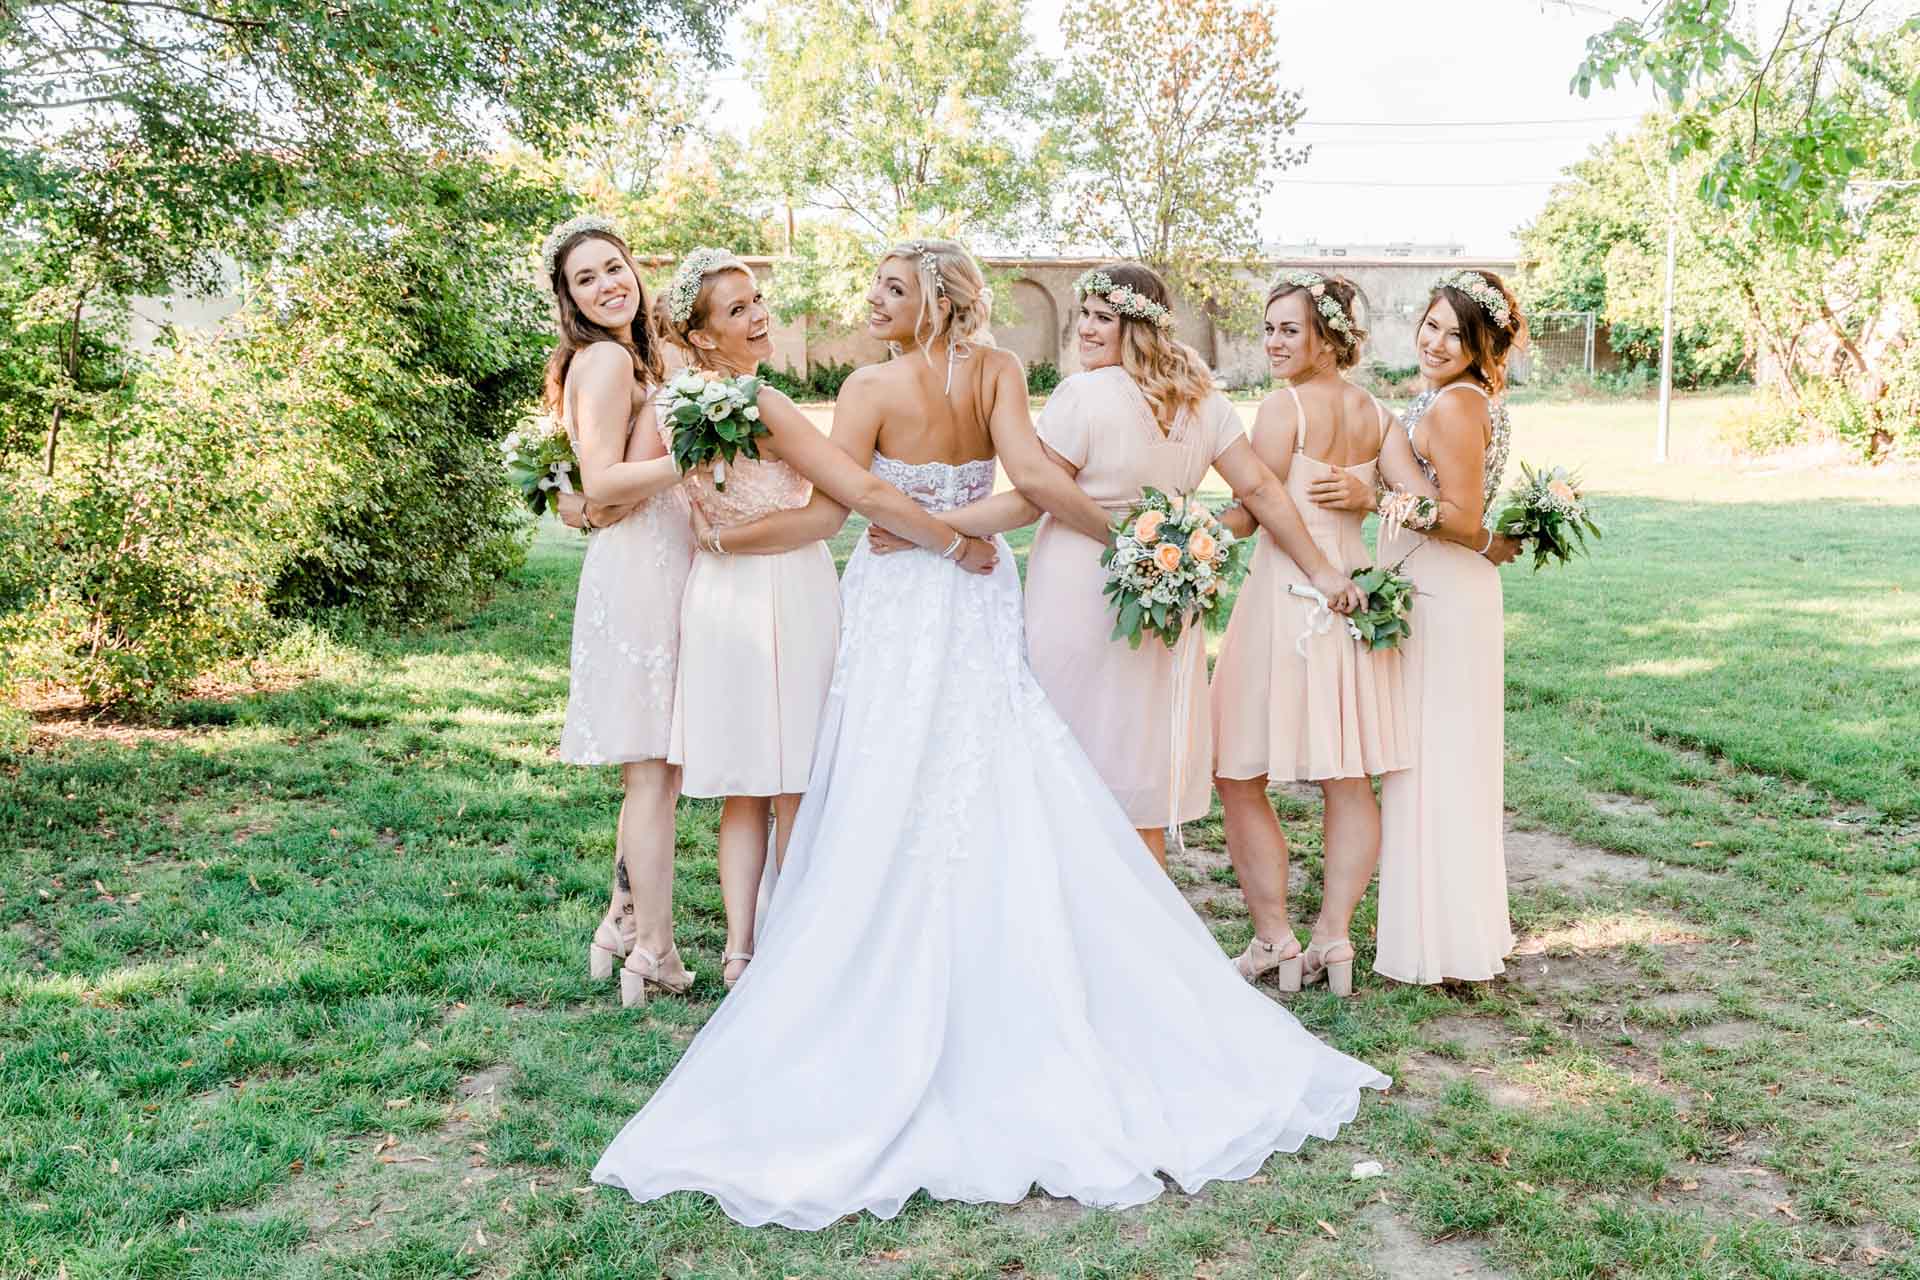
pixel 972 976
pixel 1443 872
pixel 626 635
pixel 757 635
pixel 1291 702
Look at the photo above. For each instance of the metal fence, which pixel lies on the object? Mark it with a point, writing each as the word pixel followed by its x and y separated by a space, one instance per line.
pixel 1562 341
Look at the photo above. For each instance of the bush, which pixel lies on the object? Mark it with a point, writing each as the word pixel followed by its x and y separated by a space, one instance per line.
pixel 1042 376
pixel 397 366
pixel 332 456
pixel 822 381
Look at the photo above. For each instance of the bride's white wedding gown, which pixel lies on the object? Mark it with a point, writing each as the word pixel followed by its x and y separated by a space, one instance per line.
pixel 973 978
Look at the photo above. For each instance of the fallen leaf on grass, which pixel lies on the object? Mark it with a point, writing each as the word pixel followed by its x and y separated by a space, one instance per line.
pixel 386 1144
pixel 394 1104
pixel 1327 1227
pixel 1706 1250
pixel 1526 1187
pixel 1785 1208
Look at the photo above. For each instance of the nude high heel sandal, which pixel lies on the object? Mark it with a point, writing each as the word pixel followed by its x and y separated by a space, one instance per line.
pixel 1337 972
pixel 611 943
pixel 1281 959
pixel 729 958
pixel 644 971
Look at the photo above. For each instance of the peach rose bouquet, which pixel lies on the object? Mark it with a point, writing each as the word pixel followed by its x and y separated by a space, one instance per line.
pixel 1548 512
pixel 1168 566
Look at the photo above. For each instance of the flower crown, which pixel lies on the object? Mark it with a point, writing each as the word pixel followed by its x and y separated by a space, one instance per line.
pixel 931 262
pixel 1123 299
pixel 550 247
pixel 1329 307
pixel 1477 287
pixel 684 290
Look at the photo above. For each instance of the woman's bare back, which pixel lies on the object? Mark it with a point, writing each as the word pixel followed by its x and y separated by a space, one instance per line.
pixel 921 420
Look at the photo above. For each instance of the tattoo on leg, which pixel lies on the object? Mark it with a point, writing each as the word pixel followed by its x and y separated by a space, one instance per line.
pixel 620 874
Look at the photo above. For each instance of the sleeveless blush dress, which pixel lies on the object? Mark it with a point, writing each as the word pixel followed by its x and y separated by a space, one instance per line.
pixel 757 635
pixel 1443 870
pixel 1291 701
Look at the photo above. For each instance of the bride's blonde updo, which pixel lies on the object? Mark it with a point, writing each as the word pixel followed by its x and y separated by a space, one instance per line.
pixel 681 307
pixel 945 269
pixel 1170 374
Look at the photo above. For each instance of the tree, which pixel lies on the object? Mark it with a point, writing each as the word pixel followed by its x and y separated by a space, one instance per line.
pixel 1808 193
pixel 1599 245
pixel 898 116
pixel 668 182
pixel 892 118
pixel 1176 121
pixel 139 140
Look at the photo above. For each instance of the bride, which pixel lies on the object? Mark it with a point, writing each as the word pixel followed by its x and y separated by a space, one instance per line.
pixel 972 977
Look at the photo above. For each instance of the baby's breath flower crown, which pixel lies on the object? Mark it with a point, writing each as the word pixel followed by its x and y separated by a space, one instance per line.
pixel 684 290
pixel 550 248
pixel 1123 299
pixel 1327 305
pixel 1477 287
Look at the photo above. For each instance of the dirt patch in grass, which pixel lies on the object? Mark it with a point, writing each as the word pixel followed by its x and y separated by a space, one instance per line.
pixel 1544 858
pixel 371 1187
pixel 1401 1252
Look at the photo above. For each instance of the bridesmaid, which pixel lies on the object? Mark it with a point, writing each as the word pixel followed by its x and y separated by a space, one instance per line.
pixel 1142 412
pixel 626 621
pixel 1443 882
pixel 758 632
pixel 1294 701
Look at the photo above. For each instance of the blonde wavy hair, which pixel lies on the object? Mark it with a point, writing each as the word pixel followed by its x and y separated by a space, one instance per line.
pixel 1170 374
pixel 947 271
pixel 719 262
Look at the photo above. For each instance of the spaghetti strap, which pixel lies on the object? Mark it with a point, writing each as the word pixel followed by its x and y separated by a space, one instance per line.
pixel 1471 386
pixel 1299 422
pixel 1386 419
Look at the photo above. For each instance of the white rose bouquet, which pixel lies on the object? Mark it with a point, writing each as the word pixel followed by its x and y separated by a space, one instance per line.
pixel 715 419
pixel 1167 566
pixel 1548 512
pixel 541 462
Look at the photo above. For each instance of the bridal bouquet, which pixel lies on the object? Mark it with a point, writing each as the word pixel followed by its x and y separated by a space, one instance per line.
pixel 1547 511
pixel 715 419
pixel 541 462
pixel 1169 559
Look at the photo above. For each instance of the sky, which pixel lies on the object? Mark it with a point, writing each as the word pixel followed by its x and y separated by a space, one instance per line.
pixel 1444 121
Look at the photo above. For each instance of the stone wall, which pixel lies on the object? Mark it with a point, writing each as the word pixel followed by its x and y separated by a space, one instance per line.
pixel 1038 292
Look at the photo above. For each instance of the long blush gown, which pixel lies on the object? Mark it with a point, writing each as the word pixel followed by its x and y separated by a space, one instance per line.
pixel 1121 702
pixel 1443 869
pixel 1295 697
pixel 973 977
pixel 757 635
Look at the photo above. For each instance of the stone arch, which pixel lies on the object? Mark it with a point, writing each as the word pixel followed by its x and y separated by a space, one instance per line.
pixel 1034 332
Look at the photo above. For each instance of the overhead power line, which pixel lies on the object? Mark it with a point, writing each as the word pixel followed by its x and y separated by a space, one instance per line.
pixel 1343 182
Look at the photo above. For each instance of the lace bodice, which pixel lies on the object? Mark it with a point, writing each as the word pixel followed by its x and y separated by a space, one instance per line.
pixel 938 486
pixel 1496 446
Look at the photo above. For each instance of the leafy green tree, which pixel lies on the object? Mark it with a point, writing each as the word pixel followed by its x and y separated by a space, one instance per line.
pixel 888 118
pixel 1175 120
pixel 140 140
pixel 1599 245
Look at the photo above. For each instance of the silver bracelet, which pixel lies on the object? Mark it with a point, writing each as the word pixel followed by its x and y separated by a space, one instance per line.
pixel 958 538
pixel 1483 550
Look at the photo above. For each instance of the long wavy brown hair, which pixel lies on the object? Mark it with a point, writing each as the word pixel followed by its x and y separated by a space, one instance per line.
pixel 1170 374
pixel 576 332
pixel 1487 344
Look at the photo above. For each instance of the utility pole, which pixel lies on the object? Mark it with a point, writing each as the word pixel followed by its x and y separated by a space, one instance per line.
pixel 1666 317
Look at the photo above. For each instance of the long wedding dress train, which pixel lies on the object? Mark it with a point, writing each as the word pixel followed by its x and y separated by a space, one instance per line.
pixel 973 977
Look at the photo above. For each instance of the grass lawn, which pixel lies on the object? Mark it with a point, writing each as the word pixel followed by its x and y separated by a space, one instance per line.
pixel 292 982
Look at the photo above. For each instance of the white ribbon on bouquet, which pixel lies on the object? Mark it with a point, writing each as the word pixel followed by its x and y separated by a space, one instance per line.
pixel 1178 739
pixel 1320 616
pixel 557 477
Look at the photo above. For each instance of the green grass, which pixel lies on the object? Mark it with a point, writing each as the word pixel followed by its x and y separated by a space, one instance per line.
pixel 291 982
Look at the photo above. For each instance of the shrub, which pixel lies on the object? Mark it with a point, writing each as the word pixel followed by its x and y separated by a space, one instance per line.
pixel 1042 376
pixel 785 381
pixel 825 380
